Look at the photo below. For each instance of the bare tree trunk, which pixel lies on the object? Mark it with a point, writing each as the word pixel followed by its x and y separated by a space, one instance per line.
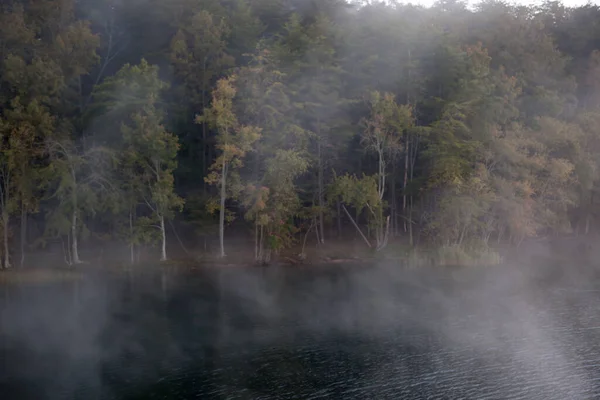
pixel 222 211
pixel 384 235
pixel 302 253
pixel 587 223
pixel 203 146
pixel 74 243
pixel 406 155
pixel 356 218
pixel 500 233
pixel 23 233
pixel 163 252
pixel 381 183
pixel 317 234
pixel 406 151
pixel 255 241
pixel 131 245
pixel 462 235
pixel 5 222
pixel 356 226
pixel 261 244
pixel 339 219
pixel 320 182
pixel 68 258
pixel 410 223
pixel 413 159
pixel 393 204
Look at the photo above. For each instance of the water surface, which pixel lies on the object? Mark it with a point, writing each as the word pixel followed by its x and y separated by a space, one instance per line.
pixel 348 333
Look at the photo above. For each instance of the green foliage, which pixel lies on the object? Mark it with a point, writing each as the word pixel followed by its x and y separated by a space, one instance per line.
pixel 198 54
pixel 78 185
pixel 130 90
pixel 151 152
pixel 452 126
pixel 233 140
pixel 274 204
pixel 357 192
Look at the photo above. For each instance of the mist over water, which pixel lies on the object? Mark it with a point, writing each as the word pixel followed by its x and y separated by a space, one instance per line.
pixel 514 332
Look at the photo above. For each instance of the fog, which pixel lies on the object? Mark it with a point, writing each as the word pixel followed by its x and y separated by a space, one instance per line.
pixel 527 330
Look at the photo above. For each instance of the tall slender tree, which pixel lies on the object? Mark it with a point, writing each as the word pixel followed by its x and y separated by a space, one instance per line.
pixel 233 142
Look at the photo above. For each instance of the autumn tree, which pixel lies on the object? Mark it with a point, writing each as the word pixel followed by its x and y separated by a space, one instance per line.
pixel 271 197
pixel 384 130
pixel 233 142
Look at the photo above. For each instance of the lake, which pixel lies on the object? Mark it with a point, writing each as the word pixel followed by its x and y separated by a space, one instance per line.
pixel 348 332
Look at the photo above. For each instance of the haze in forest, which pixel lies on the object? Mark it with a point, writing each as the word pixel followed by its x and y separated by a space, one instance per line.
pixel 567 3
pixel 138 130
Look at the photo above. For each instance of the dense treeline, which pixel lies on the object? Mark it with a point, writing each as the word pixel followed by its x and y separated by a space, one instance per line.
pixel 444 126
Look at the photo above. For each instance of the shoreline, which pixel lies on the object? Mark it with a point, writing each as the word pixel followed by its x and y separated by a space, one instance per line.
pixel 335 255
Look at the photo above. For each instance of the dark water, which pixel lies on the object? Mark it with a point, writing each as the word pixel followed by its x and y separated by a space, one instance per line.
pixel 348 333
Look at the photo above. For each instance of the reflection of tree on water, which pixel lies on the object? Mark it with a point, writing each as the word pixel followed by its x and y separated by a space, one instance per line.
pixel 290 333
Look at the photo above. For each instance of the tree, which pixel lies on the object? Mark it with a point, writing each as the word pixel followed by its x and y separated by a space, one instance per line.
pixel 272 197
pixel 362 193
pixel 384 130
pixel 77 188
pixel 233 142
pixel 273 205
pixel 479 126
pixel 151 152
pixel 22 134
pixel 308 56
pixel 198 53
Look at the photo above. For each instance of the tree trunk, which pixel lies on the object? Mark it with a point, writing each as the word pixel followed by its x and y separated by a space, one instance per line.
pixel 413 159
pixel 462 235
pixel 261 244
pixel 393 203
pixel 203 146
pixel 317 234
pixel 74 244
pixel 23 234
pixel 222 211
pixel 381 168
pixel 5 222
pixel 356 226
pixel 587 223
pixel 406 148
pixel 131 245
pixel 411 240
pixel 302 253
pixel 500 233
pixel 163 252
pixel 320 182
pixel 386 234
pixel 339 219
pixel 255 241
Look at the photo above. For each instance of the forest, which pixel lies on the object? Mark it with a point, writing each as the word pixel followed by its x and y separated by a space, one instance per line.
pixel 161 125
